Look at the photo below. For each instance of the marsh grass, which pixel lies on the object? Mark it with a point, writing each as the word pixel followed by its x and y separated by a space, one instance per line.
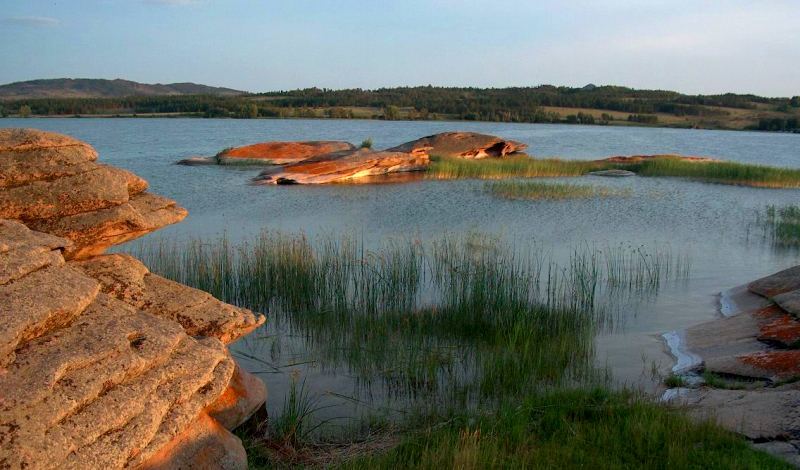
pixel 455 321
pixel 572 429
pixel 535 190
pixel 512 167
pixel 781 225
pixel 720 172
pixel 666 166
pixel 482 341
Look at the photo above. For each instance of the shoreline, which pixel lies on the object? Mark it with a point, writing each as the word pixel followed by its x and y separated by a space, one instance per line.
pixel 321 118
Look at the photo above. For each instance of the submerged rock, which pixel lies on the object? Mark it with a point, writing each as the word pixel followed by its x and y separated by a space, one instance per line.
pixel 198 161
pixel 613 173
pixel 644 158
pixel 345 166
pixel 468 145
pixel 53 184
pixel 102 363
pixel 280 153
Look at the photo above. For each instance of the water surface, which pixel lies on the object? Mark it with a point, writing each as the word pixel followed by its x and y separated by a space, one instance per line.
pixel 710 223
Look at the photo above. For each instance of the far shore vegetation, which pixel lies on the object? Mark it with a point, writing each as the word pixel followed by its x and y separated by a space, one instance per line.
pixel 590 105
pixel 486 348
pixel 666 166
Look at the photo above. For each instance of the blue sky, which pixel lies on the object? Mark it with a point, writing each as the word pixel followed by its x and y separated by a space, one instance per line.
pixel 694 46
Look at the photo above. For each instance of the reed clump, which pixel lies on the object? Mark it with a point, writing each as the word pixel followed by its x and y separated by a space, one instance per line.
pixel 664 166
pixel 535 190
pixel 720 172
pixel 511 167
pixel 781 225
pixel 467 318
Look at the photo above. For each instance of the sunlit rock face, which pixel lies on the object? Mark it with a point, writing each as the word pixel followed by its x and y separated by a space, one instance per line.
pixel 468 145
pixel 102 363
pixel 346 166
pixel 280 153
pixel 52 183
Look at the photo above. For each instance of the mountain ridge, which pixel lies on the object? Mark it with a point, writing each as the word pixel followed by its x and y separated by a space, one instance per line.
pixel 105 88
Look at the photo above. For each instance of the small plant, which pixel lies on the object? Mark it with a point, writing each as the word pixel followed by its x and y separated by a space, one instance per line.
pixel 717 381
pixel 294 425
pixel 781 225
pixel 366 143
pixel 675 381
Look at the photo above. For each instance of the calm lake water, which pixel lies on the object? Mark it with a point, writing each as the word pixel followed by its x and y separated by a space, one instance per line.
pixel 712 224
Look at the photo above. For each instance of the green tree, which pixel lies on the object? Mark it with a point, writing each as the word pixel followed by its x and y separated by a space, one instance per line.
pixel 391 112
pixel 795 101
pixel 24 111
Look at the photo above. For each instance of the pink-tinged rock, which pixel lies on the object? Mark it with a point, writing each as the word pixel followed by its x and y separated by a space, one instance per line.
pixel 347 166
pixel 468 145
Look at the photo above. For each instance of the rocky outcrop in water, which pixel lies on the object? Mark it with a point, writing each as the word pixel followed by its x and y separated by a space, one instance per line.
pixel 102 363
pixel 468 145
pixel 280 153
pixel 345 166
pixel 52 183
pixel 752 354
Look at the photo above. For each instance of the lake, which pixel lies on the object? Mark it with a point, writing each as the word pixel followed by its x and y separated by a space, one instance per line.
pixel 713 225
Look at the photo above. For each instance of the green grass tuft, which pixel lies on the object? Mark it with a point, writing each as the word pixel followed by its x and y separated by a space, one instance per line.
pixel 782 225
pixel 572 429
pixel 536 190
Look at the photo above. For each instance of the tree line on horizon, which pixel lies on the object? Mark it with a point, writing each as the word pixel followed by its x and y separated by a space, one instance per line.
pixel 519 104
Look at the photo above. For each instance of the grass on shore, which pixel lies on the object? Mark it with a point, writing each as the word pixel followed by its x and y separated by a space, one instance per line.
pixel 572 429
pixel 526 167
pixel 535 190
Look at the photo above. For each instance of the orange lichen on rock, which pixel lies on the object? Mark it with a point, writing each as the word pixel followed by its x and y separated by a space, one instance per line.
pixel 778 327
pixel 281 153
pixel 782 364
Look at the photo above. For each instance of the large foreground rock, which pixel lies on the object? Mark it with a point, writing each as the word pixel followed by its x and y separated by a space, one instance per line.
pixel 346 166
pixel 102 363
pixel 53 184
pixel 99 369
pixel 280 153
pixel 469 145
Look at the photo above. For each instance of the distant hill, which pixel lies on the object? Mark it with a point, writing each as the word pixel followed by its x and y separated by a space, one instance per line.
pixel 101 88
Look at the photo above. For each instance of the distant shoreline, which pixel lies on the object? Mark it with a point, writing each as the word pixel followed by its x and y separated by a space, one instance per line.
pixel 324 118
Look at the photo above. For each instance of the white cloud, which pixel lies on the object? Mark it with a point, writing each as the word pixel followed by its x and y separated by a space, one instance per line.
pixel 35 21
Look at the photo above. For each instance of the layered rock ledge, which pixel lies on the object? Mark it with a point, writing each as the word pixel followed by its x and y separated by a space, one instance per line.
pixel 102 363
pixel 469 145
pixel 752 359
pixel 346 166
pixel 52 183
